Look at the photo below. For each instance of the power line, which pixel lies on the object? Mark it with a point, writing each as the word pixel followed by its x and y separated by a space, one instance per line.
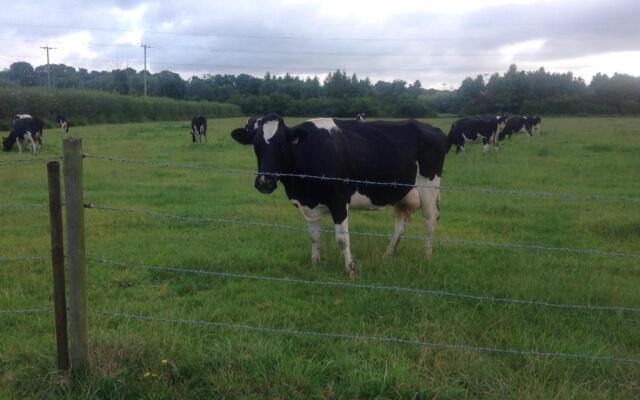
pixel 280 52
pixel 242 36
pixel 426 69
pixel 363 338
pixel 347 285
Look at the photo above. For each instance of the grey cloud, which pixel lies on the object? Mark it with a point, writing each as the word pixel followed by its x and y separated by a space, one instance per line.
pixel 436 48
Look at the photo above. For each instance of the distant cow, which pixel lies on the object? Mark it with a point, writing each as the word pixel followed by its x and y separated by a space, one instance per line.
pixel 515 125
pixel 361 117
pixel 198 129
pixel 24 130
pixel 62 123
pixel 476 130
pixel 404 152
pixel 534 123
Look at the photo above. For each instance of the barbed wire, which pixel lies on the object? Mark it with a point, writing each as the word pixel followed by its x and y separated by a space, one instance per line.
pixel 364 338
pixel 431 292
pixel 594 252
pixel 16 205
pixel 25 311
pixel 18 160
pixel 521 193
pixel 25 258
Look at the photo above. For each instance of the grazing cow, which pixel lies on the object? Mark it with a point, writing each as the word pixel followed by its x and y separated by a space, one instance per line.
pixel 476 130
pixel 404 152
pixel 533 121
pixel 515 125
pixel 62 123
pixel 198 129
pixel 361 116
pixel 24 129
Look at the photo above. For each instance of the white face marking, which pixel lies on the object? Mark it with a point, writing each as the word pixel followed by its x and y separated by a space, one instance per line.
pixel 325 123
pixel 269 130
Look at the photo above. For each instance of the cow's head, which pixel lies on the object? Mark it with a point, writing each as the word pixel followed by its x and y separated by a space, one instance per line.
pixel 6 143
pixel 272 142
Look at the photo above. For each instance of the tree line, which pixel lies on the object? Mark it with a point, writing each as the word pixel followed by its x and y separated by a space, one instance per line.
pixel 344 95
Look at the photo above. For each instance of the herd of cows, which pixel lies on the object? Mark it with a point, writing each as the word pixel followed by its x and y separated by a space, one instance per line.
pixel 329 166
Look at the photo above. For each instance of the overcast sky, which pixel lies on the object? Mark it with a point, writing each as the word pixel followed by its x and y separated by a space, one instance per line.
pixel 437 42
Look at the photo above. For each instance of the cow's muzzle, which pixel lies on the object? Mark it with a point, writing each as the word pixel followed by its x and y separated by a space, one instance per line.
pixel 266 184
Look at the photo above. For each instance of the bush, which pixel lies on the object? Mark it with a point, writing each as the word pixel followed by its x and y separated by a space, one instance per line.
pixel 83 107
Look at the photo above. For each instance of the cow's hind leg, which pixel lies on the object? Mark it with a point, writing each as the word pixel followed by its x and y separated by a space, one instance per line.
pixel 429 197
pixel 402 218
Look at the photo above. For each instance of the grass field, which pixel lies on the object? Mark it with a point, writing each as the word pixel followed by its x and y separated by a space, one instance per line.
pixel 575 155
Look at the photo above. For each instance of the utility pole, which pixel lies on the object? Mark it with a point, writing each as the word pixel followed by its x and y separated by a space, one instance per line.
pixel 47 48
pixel 145 46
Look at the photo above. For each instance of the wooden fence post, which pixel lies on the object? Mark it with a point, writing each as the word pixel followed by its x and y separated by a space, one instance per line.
pixel 57 265
pixel 74 206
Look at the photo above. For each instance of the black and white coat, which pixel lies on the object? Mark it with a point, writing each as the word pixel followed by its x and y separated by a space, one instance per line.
pixel 62 123
pixel 25 129
pixel 405 152
pixel 476 130
pixel 198 129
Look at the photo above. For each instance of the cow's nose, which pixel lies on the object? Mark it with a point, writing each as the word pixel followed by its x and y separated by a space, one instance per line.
pixel 265 184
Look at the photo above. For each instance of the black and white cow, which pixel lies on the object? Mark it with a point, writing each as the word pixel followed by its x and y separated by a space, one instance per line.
pixel 405 152
pixel 361 116
pixel 534 123
pixel 515 125
pixel 476 130
pixel 62 123
pixel 198 129
pixel 24 130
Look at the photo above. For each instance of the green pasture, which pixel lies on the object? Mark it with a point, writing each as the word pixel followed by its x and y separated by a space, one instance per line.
pixel 572 155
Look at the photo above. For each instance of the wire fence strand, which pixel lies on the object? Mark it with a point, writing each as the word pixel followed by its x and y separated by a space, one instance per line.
pixel 25 311
pixel 25 258
pixel 594 252
pixel 20 160
pixel 457 188
pixel 16 205
pixel 364 338
pixel 347 285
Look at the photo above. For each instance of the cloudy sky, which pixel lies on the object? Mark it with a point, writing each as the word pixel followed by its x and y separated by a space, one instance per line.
pixel 437 42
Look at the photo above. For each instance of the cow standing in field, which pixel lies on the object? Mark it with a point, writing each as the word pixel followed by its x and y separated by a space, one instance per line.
pixel 405 152
pixel 476 130
pixel 516 125
pixel 62 123
pixel 361 117
pixel 25 129
pixel 534 123
pixel 199 129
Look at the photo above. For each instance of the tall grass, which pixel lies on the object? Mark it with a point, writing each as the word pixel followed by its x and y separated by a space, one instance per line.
pixel 84 107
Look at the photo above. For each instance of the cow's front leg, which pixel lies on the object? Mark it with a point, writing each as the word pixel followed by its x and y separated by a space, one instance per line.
pixel 314 232
pixel 341 221
pixel 429 199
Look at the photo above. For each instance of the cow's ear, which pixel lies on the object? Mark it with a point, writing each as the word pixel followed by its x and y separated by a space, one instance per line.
pixel 297 135
pixel 243 136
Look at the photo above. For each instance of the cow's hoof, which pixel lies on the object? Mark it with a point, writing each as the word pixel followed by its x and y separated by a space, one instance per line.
pixel 351 271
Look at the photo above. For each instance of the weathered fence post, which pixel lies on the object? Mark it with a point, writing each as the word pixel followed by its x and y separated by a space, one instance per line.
pixel 73 198
pixel 57 265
